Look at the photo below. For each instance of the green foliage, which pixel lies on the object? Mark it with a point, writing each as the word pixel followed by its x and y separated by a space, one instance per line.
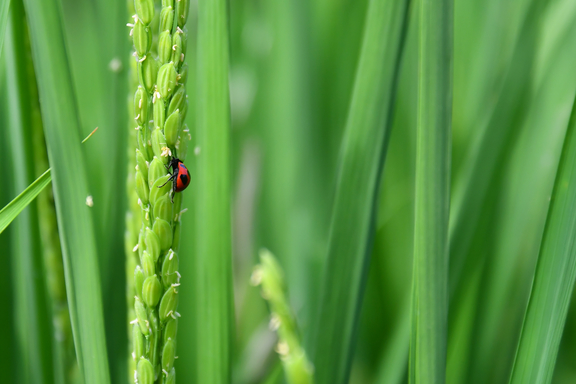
pixel 428 337
pixel 13 209
pixel 303 124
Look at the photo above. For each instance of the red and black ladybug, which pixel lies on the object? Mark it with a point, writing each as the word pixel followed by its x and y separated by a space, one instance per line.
pixel 180 176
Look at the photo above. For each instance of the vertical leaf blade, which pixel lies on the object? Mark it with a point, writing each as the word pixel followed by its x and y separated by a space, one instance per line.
pixel 76 230
pixel 432 204
pixel 554 277
pixel 214 315
pixel 362 156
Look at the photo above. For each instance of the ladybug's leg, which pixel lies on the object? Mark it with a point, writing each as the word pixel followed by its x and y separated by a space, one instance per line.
pixel 171 178
pixel 174 185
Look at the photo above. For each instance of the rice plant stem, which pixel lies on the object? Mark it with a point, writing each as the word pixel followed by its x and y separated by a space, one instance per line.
pixel 362 157
pixel 555 275
pixel 433 148
pixel 213 227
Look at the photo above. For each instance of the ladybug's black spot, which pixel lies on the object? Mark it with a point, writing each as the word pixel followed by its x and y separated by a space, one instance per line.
pixel 184 179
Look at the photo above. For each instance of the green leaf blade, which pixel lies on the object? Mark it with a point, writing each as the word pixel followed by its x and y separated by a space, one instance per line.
pixel 214 296
pixel 13 209
pixel 432 205
pixel 554 277
pixel 61 124
pixel 362 156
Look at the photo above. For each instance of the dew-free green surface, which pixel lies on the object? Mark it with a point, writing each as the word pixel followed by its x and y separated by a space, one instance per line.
pixel 362 154
pixel 76 229
pixel 13 209
pixel 213 271
pixel 554 276
pixel 428 339
pixel 292 73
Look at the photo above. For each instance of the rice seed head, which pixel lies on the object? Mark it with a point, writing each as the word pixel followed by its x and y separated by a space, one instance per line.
pixel 168 304
pixel 164 231
pixel 162 186
pixel 142 38
pixel 168 3
pixel 145 372
pixel 145 216
pixel 151 291
pixel 183 73
pixel 156 170
pixel 145 10
pixel 172 128
pixel 166 18
pixel 168 354
pixel 141 106
pixel 170 330
pixel 177 49
pixel 171 378
pixel 139 281
pixel 165 47
pixel 158 145
pixel 141 187
pixel 152 244
pixel 184 36
pixel 143 137
pixel 163 208
pixel 184 109
pixel 154 350
pixel 176 238
pixel 166 80
pixel 159 112
pixel 142 164
pixel 141 316
pixel 141 247
pixel 147 262
pixel 147 73
pixel 178 100
pixel 138 341
pixel 182 8
pixel 169 268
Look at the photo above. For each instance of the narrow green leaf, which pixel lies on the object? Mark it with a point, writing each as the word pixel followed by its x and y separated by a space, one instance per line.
pixel 61 124
pixel 432 205
pixel 362 156
pixel 554 277
pixel 4 7
pixel 13 209
pixel 212 206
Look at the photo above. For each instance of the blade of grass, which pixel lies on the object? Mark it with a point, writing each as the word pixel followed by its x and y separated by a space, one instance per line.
pixel 4 7
pixel 31 307
pixel 75 226
pixel 8 345
pixel 13 209
pixel 362 157
pixel 214 315
pixel 432 205
pixel 554 277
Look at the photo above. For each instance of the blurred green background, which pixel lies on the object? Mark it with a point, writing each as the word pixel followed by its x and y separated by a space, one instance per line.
pixel 292 68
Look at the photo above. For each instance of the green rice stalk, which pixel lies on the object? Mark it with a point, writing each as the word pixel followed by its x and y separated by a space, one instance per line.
pixel 554 277
pixel 269 275
pixel 159 108
pixel 213 267
pixel 133 212
pixel 66 366
pixel 432 203
pixel 362 156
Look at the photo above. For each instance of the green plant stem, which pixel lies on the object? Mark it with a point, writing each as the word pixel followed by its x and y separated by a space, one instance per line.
pixel 31 307
pixel 554 277
pixel 212 208
pixel 432 205
pixel 61 124
pixel 362 157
